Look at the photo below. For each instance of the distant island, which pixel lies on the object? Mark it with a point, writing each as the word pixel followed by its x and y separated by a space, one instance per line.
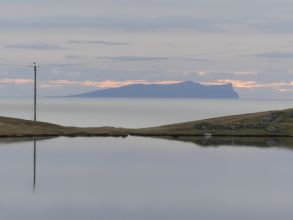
pixel 187 89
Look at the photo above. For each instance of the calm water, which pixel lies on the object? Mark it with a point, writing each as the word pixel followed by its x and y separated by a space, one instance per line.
pixel 141 178
pixel 144 178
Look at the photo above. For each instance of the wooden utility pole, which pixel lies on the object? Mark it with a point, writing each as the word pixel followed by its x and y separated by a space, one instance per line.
pixel 35 90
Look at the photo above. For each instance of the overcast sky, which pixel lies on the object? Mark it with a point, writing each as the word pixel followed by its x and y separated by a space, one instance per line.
pixel 83 45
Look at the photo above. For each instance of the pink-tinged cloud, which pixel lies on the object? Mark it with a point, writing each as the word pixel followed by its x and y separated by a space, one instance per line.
pixel 166 82
pixel 52 84
pixel 239 83
pixel 113 84
pixel 101 85
pixel 110 84
pixel 242 84
pixel 16 81
pixel 286 90
pixel 62 82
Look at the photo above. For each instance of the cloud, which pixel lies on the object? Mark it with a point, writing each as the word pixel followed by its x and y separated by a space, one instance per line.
pixel 274 25
pixel 133 58
pixel 121 23
pixel 113 84
pixel 146 58
pixel 74 57
pixel 101 84
pixel 65 65
pixel 34 46
pixel 245 73
pixel 275 55
pixel 57 84
pixel 110 84
pixel 162 22
pixel 263 76
pixel 98 42
pixel 16 81
pixel 130 15
pixel 203 23
pixel 62 82
pixel 242 84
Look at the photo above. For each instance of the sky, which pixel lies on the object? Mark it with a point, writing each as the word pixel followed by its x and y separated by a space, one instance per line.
pixel 84 45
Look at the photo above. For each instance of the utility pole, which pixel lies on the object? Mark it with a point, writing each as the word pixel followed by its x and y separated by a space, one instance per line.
pixel 35 90
pixel 35 67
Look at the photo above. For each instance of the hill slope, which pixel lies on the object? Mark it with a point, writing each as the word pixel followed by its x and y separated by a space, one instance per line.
pixel 262 124
pixel 186 89
pixel 12 127
pixel 271 123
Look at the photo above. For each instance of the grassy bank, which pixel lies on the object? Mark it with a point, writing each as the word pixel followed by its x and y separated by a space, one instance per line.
pixel 262 124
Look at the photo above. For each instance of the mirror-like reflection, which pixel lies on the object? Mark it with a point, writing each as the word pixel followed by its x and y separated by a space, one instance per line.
pixel 13 140
pixel 261 142
pixel 35 165
pixel 139 178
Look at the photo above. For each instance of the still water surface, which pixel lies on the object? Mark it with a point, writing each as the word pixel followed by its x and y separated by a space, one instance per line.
pixel 142 178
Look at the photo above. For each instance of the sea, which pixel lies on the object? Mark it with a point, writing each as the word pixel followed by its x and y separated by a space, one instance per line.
pixel 139 178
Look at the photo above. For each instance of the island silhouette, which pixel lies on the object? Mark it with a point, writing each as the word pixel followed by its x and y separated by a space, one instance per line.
pixel 187 89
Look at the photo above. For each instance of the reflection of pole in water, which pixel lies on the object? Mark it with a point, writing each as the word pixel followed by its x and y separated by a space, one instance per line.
pixel 35 119
pixel 35 163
